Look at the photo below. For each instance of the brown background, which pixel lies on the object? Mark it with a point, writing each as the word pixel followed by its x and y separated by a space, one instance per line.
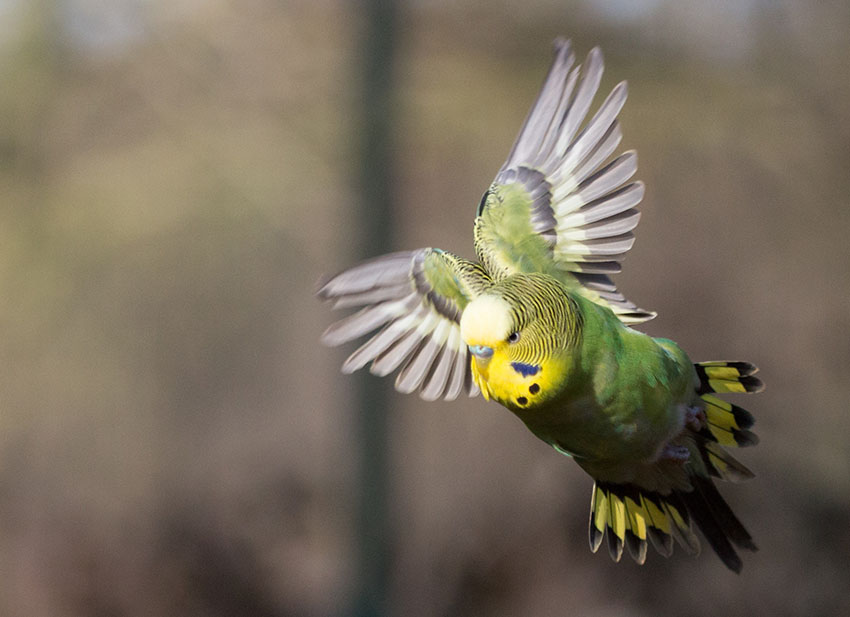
pixel 174 178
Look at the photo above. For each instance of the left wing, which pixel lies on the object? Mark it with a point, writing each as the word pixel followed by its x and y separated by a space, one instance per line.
pixel 556 206
pixel 418 297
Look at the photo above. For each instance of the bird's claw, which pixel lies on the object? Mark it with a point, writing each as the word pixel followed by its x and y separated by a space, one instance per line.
pixel 694 418
pixel 675 453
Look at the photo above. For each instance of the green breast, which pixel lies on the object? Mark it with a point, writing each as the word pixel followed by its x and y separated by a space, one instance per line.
pixel 621 399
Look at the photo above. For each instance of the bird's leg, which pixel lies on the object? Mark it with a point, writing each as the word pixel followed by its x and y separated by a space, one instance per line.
pixel 694 420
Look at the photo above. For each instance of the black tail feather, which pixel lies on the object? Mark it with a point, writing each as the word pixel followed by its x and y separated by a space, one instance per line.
pixel 723 514
pixel 717 522
pixel 712 531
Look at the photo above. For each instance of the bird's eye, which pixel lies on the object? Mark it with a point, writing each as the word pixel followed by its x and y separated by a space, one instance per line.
pixel 514 337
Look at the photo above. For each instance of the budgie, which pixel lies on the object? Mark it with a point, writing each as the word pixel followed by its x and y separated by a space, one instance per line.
pixel 537 325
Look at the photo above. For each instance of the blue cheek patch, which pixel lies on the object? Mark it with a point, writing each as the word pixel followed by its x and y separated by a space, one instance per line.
pixel 526 370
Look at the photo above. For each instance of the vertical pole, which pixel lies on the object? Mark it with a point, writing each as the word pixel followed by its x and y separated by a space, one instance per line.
pixel 374 537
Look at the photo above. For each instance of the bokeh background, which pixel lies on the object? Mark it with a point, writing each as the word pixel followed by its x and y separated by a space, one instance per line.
pixel 176 175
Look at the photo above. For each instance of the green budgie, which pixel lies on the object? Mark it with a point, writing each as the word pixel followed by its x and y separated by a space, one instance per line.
pixel 537 325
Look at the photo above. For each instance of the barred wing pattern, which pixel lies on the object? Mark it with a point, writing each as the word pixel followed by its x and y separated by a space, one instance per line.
pixel 416 298
pixel 581 207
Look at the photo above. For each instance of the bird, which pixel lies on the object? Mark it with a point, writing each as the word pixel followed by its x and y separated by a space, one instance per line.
pixel 537 324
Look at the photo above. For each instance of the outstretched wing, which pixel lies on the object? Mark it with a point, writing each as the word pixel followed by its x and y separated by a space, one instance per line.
pixel 558 205
pixel 418 297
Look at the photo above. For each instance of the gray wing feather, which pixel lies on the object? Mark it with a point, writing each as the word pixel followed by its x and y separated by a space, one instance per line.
pixel 419 328
pixel 597 127
pixel 601 182
pixel 600 152
pixel 582 205
pixel 458 378
pixel 366 320
pixel 392 358
pixel 374 347
pixel 592 249
pixel 436 382
pixel 372 296
pixel 602 208
pixel 553 97
pixel 418 366
pixel 576 112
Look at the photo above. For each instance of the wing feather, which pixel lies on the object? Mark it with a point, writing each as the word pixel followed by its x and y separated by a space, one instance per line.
pixel 559 185
pixel 596 185
pixel 575 114
pixel 554 96
pixel 366 320
pixel 418 366
pixel 393 357
pixel 372 296
pixel 437 380
pixel 603 207
pixel 600 153
pixel 416 299
pixel 597 127
pixel 591 249
pixel 378 344
pixel 461 373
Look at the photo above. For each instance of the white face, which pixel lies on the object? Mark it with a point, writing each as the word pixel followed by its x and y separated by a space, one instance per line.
pixel 485 321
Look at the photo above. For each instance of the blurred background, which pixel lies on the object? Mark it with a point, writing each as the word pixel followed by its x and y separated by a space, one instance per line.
pixel 175 176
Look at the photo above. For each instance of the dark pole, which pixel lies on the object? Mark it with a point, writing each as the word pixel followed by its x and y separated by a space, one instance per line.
pixel 374 536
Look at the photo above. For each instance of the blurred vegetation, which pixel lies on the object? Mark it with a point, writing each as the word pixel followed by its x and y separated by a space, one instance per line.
pixel 174 178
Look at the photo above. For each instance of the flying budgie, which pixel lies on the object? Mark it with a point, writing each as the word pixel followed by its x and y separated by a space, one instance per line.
pixel 537 325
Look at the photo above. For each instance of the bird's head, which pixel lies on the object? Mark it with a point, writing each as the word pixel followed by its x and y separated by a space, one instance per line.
pixel 521 326
pixel 488 324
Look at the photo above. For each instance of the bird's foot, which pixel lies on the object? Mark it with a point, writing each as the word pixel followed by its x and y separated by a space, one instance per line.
pixel 694 418
pixel 675 453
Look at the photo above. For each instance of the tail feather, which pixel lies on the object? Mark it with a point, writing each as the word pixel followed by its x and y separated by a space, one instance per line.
pixel 682 529
pixel 727 424
pixel 723 465
pixel 628 516
pixel 713 531
pixel 663 543
pixel 729 523
pixel 724 377
pixel 717 522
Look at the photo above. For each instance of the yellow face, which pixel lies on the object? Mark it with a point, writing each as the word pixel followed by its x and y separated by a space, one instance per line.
pixel 499 367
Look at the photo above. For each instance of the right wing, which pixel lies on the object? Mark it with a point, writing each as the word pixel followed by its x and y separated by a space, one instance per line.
pixel 418 297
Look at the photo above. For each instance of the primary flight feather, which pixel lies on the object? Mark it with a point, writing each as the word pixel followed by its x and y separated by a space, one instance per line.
pixel 537 325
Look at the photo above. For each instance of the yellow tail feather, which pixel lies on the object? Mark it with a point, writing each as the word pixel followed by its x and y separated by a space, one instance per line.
pixel 723 377
pixel 629 516
pixel 727 424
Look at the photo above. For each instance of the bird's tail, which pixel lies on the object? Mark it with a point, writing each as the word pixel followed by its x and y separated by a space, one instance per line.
pixel 630 515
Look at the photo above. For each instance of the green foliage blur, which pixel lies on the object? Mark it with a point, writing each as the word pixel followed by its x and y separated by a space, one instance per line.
pixel 176 176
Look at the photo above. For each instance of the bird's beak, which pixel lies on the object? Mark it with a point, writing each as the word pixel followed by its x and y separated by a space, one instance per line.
pixel 482 353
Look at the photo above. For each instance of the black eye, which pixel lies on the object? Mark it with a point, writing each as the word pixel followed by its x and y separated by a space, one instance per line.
pixel 514 337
